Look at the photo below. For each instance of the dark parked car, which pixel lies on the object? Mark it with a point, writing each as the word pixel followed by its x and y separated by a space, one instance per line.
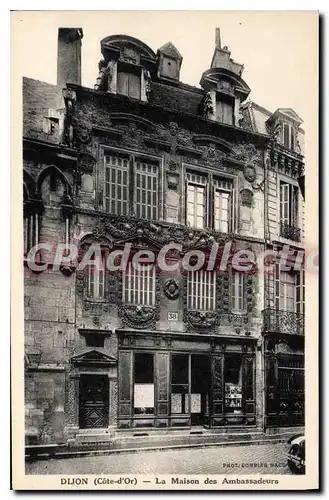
pixel 296 455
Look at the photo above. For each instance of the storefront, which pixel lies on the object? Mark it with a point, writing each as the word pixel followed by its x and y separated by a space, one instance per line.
pixel 285 378
pixel 185 380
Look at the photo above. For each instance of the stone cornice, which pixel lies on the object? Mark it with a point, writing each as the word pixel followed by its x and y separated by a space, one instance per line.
pixel 195 123
pixel 103 218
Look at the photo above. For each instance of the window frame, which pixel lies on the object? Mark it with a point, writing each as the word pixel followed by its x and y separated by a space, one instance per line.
pixel 128 70
pixel 30 231
pixel 227 102
pixel 130 291
pixel 236 299
pixel 292 136
pixel 223 190
pixel 292 203
pixel 96 284
pixel 133 157
pixel 211 177
pixel 198 185
pixel 283 297
pixel 201 289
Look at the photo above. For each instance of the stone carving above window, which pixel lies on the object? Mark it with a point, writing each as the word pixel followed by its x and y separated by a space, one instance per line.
pixel 139 317
pixel 248 153
pixel 202 321
pixel 128 54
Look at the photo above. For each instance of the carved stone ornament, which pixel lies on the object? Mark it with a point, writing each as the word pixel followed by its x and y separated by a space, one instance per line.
pixel 171 289
pixel 86 162
pixel 83 132
pixel 80 281
pixel 207 108
pixel 246 197
pixel 212 155
pixel 156 234
pixel 139 317
pixel 172 166
pixel 202 321
pixel 249 172
pixel 172 180
pixel 129 55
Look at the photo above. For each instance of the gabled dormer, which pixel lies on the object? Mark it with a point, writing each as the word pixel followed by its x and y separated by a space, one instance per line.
pixel 169 62
pixel 284 126
pixel 224 86
pixel 126 67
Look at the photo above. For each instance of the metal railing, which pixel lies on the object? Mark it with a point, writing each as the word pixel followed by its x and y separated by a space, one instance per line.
pixel 290 232
pixel 276 320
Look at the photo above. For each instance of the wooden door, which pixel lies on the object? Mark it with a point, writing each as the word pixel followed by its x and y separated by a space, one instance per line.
pixel 93 401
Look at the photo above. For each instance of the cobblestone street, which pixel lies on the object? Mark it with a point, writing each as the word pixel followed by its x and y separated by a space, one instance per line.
pixel 252 459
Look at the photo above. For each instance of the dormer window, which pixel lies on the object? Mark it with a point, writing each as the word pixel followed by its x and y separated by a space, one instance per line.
pixel 225 109
pixel 129 80
pixel 289 136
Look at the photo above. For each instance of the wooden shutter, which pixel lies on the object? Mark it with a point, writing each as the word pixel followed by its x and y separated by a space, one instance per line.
pixel 286 135
pixel 248 388
pixel 298 293
pixel 294 206
pixel 91 276
pixel 125 363
pixel 122 83
pixel 277 286
pixel 186 187
pixel 292 138
pixel 232 215
pixel 134 85
pixel 284 203
pixel 217 390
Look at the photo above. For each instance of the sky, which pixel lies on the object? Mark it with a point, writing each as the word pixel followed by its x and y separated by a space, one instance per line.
pixel 277 48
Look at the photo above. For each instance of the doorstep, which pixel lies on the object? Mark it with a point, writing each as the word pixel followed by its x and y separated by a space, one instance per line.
pixel 135 444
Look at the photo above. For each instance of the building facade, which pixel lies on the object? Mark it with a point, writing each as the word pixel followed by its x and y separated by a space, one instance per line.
pixel 167 168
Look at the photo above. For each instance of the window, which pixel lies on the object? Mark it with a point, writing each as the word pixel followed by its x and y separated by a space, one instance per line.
pixel 237 292
pixel 288 291
pixel 146 190
pixel 96 273
pixel 94 340
pixel 31 232
pixel 288 203
pixel 129 80
pixel 289 211
pixel 224 110
pixel 233 383
pixel 201 290
pixel 180 384
pixel 143 384
pixel 289 136
pixel 222 205
pixel 131 186
pixel 139 286
pixel 116 185
pixel 196 200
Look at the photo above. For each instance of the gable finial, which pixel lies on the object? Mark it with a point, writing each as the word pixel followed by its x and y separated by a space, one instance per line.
pixel 217 39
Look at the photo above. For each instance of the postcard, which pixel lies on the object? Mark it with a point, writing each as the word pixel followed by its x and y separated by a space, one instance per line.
pixel 165 250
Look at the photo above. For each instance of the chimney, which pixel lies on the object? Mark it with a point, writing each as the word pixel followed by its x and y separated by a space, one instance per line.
pixel 218 44
pixel 69 56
